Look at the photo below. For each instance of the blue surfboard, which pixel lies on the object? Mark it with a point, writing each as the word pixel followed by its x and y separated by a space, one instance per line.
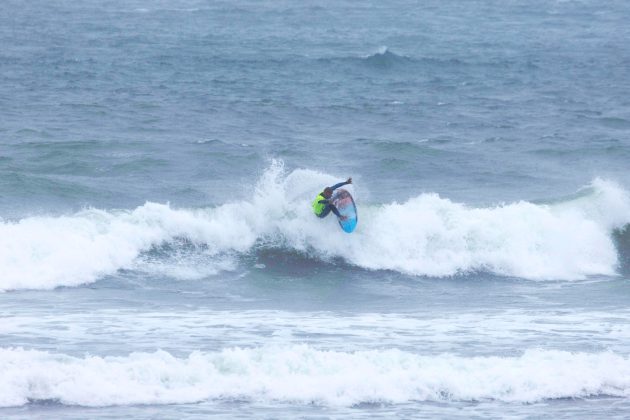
pixel 347 209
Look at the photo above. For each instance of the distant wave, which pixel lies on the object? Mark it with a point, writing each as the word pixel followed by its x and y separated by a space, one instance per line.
pixel 302 374
pixel 384 58
pixel 426 235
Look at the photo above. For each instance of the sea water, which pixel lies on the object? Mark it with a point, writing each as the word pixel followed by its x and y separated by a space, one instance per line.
pixel 158 253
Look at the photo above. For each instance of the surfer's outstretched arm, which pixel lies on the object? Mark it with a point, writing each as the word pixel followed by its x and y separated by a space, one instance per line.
pixel 341 184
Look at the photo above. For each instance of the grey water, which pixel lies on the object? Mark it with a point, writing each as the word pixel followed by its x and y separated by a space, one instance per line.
pixel 158 253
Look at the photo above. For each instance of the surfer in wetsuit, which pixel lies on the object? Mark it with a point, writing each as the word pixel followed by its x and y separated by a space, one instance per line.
pixel 322 205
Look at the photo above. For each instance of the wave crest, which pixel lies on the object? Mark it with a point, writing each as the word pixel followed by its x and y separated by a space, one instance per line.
pixel 385 58
pixel 426 235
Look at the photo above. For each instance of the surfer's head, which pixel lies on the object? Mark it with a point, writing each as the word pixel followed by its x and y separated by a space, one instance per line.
pixel 327 192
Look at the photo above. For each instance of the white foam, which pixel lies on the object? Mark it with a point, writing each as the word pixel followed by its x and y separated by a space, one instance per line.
pixel 430 235
pixel 427 235
pixel 493 332
pixel 46 252
pixel 301 374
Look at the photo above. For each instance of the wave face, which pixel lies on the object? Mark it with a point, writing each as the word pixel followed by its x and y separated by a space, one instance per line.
pixel 427 235
pixel 303 374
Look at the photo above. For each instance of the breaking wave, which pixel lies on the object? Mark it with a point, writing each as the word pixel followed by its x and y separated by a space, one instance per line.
pixel 427 235
pixel 302 374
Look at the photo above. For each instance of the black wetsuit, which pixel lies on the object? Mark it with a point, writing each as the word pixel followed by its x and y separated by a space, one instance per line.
pixel 328 202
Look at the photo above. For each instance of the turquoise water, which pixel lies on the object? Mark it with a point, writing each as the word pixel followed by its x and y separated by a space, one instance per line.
pixel 159 258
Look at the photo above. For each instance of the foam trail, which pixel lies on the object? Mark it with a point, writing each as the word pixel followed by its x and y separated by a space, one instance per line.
pixel 427 235
pixel 493 332
pixel 301 374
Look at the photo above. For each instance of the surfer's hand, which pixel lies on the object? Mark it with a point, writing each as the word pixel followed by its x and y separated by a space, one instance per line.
pixel 349 181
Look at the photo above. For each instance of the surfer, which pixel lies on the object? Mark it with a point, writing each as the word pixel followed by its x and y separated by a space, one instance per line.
pixel 322 205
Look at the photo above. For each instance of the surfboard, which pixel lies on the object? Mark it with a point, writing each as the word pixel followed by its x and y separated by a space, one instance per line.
pixel 347 209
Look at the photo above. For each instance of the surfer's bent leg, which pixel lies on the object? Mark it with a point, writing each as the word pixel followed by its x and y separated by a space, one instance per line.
pixel 334 210
pixel 325 212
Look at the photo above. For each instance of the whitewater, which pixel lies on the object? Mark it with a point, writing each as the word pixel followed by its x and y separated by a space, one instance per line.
pixel 159 257
pixel 424 236
pixel 303 375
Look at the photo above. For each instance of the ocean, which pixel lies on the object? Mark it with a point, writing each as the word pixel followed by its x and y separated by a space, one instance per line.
pixel 159 257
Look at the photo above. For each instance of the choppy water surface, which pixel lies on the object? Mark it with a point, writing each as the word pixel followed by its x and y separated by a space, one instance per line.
pixel 159 257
